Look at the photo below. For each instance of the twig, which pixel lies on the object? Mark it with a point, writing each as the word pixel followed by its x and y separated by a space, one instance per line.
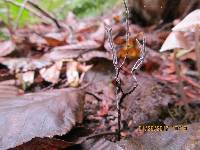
pixel 96 96
pixel 120 94
pixel 44 13
pixel 94 136
pixel 40 14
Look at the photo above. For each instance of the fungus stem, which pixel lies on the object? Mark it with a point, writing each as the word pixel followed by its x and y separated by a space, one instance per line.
pixel 178 75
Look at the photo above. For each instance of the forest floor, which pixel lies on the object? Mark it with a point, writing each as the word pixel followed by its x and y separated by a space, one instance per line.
pixel 45 59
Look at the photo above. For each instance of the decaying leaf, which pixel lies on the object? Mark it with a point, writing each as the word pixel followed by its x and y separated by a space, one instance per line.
pixel 8 89
pixel 55 39
pixel 44 144
pixel 57 55
pixel 37 39
pixel 42 114
pixel 26 79
pixel 101 144
pixel 95 54
pixel 73 70
pixel 52 73
pixel 83 68
pixel 85 45
pixel 24 64
pixel 72 74
pixel 166 140
pixel 99 35
pixel 6 48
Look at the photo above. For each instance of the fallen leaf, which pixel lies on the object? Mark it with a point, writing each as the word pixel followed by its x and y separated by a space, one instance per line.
pixel 191 81
pixel 37 39
pixel 95 54
pixel 6 48
pixel 72 74
pixel 24 64
pixel 85 45
pixel 101 144
pixel 99 35
pixel 192 94
pixel 8 89
pixel 66 55
pixel 172 139
pixel 170 78
pixel 52 73
pixel 42 114
pixel 44 144
pixel 55 39
pixel 26 79
pixel 84 68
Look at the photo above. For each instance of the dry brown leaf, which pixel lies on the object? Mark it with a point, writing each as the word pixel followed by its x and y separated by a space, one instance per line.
pixel 24 64
pixel 84 68
pixel 52 73
pixel 37 39
pixel 101 144
pixel 42 114
pixel 75 68
pixel 163 140
pixel 55 39
pixel 95 54
pixel 66 55
pixel 85 45
pixel 166 140
pixel 44 144
pixel 99 35
pixel 8 89
pixel 72 74
pixel 26 79
pixel 6 48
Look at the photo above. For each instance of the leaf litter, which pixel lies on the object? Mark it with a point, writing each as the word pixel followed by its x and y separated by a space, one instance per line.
pixel 51 61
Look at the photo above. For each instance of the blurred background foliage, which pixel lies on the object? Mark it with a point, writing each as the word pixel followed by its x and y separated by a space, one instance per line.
pixel 58 8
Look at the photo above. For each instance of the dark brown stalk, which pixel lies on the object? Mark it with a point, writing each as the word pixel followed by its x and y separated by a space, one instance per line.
pixel 44 13
pixel 120 94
